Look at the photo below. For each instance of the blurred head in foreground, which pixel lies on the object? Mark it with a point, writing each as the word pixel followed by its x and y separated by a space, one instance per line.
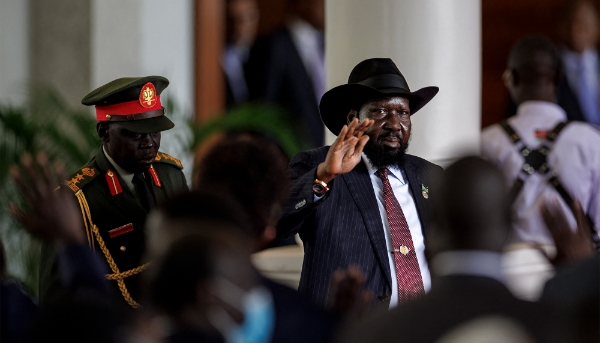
pixel 203 279
pixel 472 210
pixel 252 170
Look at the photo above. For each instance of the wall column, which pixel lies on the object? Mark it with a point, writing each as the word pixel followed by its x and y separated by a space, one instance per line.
pixel 433 43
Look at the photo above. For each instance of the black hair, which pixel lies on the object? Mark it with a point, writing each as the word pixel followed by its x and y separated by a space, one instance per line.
pixel 253 170
pixel 187 263
pixel 472 209
pixel 533 59
pixel 206 205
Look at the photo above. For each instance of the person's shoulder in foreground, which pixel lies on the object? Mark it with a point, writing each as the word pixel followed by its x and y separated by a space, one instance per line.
pixel 470 226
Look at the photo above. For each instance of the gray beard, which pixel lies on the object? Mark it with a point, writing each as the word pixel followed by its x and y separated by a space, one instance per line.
pixel 382 157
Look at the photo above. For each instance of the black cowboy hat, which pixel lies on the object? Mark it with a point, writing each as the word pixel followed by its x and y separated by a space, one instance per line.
pixel 372 78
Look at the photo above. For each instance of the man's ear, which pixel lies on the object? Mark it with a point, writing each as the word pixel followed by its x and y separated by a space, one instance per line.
pixel 102 130
pixel 351 115
pixel 507 78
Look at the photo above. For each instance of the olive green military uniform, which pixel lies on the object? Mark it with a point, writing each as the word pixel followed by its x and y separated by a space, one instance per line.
pixel 119 219
pixel 114 215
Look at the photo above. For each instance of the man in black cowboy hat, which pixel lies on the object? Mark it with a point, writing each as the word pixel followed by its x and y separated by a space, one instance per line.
pixel 121 184
pixel 365 208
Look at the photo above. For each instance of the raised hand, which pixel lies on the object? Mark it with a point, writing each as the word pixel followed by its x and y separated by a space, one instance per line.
pixel 345 153
pixel 570 246
pixel 347 294
pixel 48 213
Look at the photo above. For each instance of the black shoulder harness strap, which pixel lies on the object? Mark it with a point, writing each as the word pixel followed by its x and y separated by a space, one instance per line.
pixel 536 161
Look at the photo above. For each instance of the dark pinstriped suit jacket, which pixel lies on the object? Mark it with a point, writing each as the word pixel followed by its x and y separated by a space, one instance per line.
pixel 345 227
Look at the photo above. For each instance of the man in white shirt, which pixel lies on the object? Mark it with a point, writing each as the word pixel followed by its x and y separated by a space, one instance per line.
pixel 571 158
pixel 364 208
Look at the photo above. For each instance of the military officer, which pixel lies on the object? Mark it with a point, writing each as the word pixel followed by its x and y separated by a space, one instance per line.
pixel 119 186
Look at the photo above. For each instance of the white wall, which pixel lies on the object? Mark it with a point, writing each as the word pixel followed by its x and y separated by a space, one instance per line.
pixel 144 37
pixel 14 51
pixel 433 43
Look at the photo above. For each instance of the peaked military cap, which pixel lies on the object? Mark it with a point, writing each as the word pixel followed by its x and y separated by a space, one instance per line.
pixel 133 102
pixel 371 78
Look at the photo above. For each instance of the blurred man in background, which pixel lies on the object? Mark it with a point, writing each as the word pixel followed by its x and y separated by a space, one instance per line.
pixel 242 23
pixel 288 69
pixel 579 91
pixel 543 157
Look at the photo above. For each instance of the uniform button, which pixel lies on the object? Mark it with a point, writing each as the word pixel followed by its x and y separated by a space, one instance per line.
pixel 122 248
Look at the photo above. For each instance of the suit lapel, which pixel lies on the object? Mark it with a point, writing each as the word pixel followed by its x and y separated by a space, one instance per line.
pixel 415 182
pixel 359 184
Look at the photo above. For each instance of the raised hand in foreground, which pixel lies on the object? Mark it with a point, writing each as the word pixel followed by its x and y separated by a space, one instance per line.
pixel 49 213
pixel 348 296
pixel 571 246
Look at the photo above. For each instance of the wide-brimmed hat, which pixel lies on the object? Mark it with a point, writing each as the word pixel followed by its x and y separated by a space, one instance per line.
pixel 133 102
pixel 372 78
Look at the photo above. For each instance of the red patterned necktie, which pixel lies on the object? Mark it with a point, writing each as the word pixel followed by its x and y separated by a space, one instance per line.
pixel 408 273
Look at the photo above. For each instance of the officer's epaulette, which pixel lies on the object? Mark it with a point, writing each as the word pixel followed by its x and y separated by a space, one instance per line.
pixel 82 177
pixel 161 157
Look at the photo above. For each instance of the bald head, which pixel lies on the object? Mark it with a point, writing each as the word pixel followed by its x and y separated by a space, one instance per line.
pixel 533 70
pixel 472 208
pixel 534 58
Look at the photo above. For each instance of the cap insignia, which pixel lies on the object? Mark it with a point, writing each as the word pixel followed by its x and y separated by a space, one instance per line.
pixel 148 95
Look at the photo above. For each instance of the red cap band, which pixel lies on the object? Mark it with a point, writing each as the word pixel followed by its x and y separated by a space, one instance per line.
pixel 125 108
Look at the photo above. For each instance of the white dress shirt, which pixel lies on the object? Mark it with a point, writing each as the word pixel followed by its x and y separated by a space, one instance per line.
pixel 402 192
pixel 574 156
